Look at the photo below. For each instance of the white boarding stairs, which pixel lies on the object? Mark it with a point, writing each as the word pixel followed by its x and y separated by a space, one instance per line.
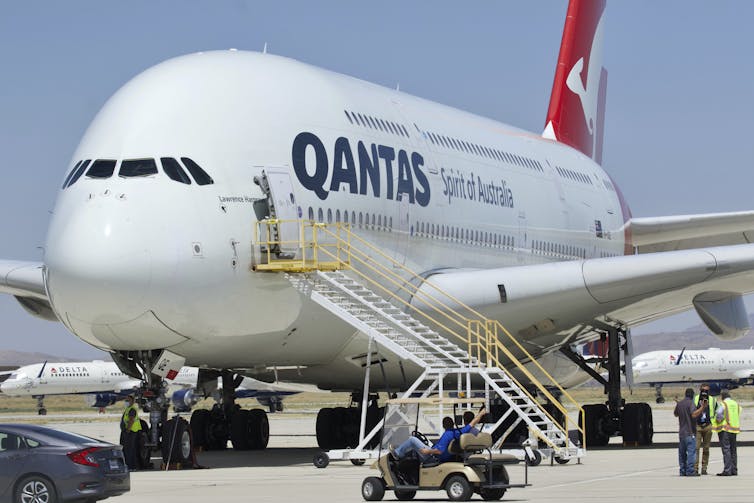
pixel 408 338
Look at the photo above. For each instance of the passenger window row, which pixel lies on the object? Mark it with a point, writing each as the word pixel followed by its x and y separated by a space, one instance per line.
pixel 465 235
pixel 573 175
pixel 365 220
pixel 480 150
pixel 608 185
pixel 377 124
pixel 557 249
pixel 136 168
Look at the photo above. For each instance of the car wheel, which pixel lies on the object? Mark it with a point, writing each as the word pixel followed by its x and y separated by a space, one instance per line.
pixel 458 488
pixel 372 489
pixel 35 489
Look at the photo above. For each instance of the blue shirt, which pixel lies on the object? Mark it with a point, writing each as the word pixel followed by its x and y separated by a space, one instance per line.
pixel 444 442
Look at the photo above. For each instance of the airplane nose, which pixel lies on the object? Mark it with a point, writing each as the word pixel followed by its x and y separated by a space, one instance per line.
pixel 99 265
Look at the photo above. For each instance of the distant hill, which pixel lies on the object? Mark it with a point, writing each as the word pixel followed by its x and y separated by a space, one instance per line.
pixel 19 358
pixel 695 337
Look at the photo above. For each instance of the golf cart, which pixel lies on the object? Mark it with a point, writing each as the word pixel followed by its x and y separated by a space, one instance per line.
pixel 474 469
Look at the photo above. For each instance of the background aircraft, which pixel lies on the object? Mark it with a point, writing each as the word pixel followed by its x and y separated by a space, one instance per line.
pixel 721 368
pixel 103 384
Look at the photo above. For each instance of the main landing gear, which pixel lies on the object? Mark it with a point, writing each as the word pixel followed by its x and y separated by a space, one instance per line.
pixel 658 394
pixel 40 405
pixel 615 417
pixel 246 429
pixel 338 428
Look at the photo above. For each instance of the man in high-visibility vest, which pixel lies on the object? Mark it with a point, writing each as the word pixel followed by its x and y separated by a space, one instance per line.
pixel 727 421
pixel 130 426
pixel 704 427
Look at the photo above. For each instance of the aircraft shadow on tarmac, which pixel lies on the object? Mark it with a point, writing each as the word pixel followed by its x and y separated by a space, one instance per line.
pixel 270 457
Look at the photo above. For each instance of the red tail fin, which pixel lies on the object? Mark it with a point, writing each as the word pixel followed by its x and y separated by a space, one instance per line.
pixel 577 103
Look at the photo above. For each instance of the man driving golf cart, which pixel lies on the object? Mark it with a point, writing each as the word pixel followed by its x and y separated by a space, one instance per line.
pixel 460 463
pixel 439 451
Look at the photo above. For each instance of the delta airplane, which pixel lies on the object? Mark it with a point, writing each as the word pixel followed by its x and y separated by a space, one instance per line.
pixel 104 383
pixel 150 248
pixel 721 368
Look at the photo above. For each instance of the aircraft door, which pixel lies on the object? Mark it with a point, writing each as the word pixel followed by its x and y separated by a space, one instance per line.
pixel 522 237
pixel 723 364
pixel 403 229
pixel 281 202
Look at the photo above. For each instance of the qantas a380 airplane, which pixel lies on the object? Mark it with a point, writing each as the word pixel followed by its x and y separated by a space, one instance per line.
pixel 151 248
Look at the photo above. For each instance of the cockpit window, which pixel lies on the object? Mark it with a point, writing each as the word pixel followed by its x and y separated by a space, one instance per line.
pixel 200 176
pixel 70 174
pixel 101 168
pixel 173 169
pixel 137 167
pixel 77 173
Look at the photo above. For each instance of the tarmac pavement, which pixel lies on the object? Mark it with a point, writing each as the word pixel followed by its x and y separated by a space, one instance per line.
pixel 284 472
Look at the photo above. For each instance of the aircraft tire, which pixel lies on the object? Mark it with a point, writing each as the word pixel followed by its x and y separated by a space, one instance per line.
pixel 239 430
pixel 324 428
pixel 200 420
pixel 593 417
pixel 218 431
pixel 636 423
pixel 259 429
pixel 177 445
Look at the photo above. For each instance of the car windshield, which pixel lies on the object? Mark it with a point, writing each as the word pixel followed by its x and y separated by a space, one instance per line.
pixel 400 421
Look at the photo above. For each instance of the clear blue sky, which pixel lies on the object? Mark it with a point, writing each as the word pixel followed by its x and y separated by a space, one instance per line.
pixel 679 113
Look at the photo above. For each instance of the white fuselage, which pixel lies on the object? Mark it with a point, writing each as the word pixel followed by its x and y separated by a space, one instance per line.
pixel 660 367
pixel 149 263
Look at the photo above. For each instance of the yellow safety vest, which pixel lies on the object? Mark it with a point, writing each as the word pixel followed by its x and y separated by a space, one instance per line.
pixel 731 419
pixel 711 405
pixel 136 426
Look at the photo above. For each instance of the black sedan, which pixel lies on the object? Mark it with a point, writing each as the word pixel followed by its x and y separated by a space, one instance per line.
pixel 43 465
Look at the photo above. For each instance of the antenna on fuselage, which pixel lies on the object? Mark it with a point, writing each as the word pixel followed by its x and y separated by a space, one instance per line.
pixel 264 49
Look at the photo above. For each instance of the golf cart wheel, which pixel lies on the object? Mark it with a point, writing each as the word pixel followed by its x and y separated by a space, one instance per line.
pixel 405 495
pixel 373 489
pixel 321 460
pixel 358 462
pixel 458 488
pixel 562 461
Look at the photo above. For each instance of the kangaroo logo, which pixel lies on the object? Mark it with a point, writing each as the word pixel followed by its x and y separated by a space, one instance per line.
pixel 588 95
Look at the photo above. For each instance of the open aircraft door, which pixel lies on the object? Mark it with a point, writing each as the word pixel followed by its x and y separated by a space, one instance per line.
pixel 281 205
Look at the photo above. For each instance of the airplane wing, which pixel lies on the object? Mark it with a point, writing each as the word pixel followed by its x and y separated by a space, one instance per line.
pixel 25 281
pixel 684 232
pixel 629 290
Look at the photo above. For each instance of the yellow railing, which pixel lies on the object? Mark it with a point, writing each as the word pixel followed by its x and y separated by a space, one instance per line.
pixel 334 247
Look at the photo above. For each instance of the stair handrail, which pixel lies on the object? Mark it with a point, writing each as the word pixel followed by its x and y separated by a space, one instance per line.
pixel 492 344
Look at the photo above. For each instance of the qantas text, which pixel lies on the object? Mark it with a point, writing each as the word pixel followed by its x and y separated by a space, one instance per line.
pixel 376 164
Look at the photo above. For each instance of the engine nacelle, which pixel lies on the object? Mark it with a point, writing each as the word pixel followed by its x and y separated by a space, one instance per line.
pixel 183 400
pixel 724 313
pixel 101 400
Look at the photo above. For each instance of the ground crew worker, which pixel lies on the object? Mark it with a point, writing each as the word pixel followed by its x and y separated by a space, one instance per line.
pixel 130 426
pixel 704 428
pixel 727 415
